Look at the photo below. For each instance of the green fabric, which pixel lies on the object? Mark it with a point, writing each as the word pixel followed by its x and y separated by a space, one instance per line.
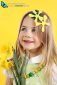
pixel 38 78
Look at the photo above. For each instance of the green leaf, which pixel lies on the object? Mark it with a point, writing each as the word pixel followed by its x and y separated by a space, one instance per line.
pixel 15 57
pixel 17 74
pixel 16 66
pixel 15 78
pixel 22 79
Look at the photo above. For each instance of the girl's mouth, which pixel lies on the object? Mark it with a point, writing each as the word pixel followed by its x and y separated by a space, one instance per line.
pixel 28 41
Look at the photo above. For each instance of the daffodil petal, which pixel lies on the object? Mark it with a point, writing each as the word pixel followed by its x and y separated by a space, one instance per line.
pixel 37 23
pixel 40 18
pixel 45 17
pixel 31 15
pixel 40 12
pixel 42 28
pixel 34 12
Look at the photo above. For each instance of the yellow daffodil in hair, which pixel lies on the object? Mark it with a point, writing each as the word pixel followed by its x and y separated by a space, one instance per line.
pixel 36 16
pixel 44 22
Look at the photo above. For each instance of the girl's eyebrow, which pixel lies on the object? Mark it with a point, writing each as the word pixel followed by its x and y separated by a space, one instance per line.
pixel 23 26
pixel 34 27
pixel 31 27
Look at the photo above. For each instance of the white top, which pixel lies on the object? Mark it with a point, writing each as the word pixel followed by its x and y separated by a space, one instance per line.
pixel 36 59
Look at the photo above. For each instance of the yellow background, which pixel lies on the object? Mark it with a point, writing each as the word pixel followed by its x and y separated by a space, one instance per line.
pixel 10 19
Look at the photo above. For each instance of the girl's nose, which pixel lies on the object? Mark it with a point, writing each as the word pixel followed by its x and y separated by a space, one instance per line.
pixel 28 34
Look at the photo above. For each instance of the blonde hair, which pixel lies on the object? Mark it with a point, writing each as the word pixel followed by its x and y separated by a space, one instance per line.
pixel 47 42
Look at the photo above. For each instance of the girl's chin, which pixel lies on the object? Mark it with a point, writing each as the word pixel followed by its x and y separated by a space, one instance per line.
pixel 28 48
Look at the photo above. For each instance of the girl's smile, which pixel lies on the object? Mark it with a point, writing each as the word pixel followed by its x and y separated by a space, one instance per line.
pixel 28 41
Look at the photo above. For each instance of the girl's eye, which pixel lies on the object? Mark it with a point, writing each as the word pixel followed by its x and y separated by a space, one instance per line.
pixel 33 30
pixel 22 29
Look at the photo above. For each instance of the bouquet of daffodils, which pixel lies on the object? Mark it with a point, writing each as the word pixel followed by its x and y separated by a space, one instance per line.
pixel 17 70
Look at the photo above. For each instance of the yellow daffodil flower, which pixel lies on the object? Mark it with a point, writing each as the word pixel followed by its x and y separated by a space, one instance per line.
pixel 6 52
pixel 5 64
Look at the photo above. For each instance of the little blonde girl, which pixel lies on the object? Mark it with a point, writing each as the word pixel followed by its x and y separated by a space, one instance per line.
pixel 35 38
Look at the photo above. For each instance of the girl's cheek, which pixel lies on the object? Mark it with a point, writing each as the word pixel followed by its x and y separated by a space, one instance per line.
pixel 21 35
pixel 37 39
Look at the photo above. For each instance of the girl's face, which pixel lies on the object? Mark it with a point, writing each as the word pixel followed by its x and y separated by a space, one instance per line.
pixel 28 36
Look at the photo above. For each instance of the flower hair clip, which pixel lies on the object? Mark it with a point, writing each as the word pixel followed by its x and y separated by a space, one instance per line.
pixel 36 16
pixel 41 18
pixel 43 22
